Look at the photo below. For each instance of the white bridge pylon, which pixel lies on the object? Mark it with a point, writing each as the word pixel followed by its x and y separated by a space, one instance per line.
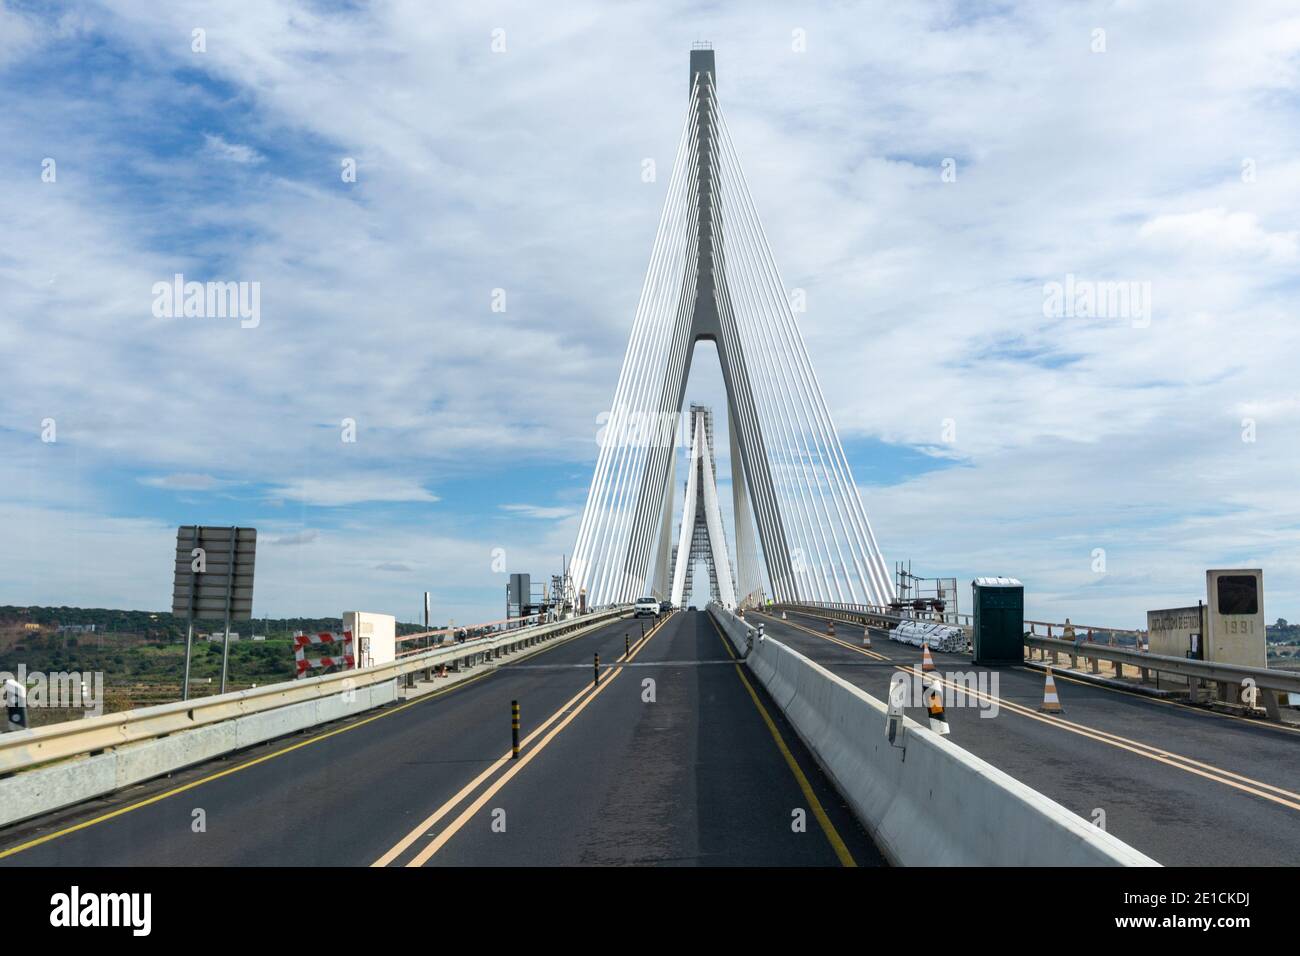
pixel 701 533
pixel 712 276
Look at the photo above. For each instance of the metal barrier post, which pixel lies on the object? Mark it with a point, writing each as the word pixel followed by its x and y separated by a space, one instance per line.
pixel 514 729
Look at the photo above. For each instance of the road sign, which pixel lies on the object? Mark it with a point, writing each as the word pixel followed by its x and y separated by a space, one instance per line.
pixel 213 578
pixel 206 573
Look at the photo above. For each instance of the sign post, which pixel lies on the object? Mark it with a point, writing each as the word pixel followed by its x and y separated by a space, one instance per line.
pixel 214 575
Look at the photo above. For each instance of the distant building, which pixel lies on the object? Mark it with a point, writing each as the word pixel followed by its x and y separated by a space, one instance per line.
pixel 77 628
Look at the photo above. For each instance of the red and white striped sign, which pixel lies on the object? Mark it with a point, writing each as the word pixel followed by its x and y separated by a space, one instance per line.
pixel 305 664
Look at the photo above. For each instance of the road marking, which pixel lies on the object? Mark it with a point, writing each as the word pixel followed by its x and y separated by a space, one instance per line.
pixel 1187 764
pixel 588 692
pixel 1150 751
pixel 102 818
pixel 1199 711
pixel 470 787
pixel 819 812
pixel 422 828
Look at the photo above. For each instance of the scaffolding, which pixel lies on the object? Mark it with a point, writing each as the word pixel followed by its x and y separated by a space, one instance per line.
pixel 924 599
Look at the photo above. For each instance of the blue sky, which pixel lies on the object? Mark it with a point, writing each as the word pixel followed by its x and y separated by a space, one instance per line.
pixel 1169 158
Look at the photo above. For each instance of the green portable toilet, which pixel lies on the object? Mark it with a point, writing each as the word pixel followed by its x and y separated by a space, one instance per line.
pixel 998 623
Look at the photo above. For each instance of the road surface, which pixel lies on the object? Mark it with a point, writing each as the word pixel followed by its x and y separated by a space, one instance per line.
pixel 677 757
pixel 1184 785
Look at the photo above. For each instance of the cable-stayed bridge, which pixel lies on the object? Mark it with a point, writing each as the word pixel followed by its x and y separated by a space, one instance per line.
pixel 801 532
pixel 781 725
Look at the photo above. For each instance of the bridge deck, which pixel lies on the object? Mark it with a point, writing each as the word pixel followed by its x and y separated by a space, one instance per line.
pixel 1182 784
pixel 694 778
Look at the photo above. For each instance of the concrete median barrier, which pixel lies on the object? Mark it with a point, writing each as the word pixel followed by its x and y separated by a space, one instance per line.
pixel 925 801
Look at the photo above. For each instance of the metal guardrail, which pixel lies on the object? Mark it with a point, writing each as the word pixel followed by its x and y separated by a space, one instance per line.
pixel 880 615
pixel 1067 630
pixel 950 618
pixel 1214 671
pixel 491 627
pixel 28 748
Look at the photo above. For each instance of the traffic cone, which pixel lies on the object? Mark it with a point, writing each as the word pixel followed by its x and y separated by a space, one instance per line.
pixel 783 615
pixel 1051 703
pixel 830 628
pixel 934 703
pixel 927 662
pixel 443 671
pixel 866 637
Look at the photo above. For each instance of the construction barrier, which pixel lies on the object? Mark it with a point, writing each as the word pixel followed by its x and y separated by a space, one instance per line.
pixel 305 665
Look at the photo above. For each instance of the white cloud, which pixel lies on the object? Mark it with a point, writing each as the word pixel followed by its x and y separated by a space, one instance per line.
pixel 521 171
pixel 184 482
pixel 233 152
pixel 550 513
pixel 306 536
pixel 331 492
pixel 1219 233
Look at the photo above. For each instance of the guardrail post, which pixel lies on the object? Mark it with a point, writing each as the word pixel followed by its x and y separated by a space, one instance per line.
pixel 514 729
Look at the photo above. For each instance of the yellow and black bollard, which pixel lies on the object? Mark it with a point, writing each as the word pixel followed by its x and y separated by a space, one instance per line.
pixel 627 646
pixel 514 729
pixel 597 670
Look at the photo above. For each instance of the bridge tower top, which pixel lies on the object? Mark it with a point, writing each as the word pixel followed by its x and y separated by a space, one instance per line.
pixel 702 62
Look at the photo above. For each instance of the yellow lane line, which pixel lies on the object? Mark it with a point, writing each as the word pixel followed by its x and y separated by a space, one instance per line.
pixel 470 787
pixel 1199 711
pixel 65 831
pixel 517 765
pixel 1151 752
pixel 832 835
pixel 1188 764
pixel 227 772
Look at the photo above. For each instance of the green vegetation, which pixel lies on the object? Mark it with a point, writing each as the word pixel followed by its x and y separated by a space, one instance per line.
pixel 142 653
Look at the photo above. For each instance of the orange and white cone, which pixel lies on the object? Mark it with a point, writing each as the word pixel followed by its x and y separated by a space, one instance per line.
pixel 934 703
pixel 443 672
pixel 866 637
pixel 783 615
pixel 830 628
pixel 1051 702
pixel 927 662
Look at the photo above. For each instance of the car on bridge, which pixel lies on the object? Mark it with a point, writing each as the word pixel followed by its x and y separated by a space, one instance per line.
pixel 647 606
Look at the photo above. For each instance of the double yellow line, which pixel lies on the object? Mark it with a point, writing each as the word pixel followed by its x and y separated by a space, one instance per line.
pixel 564 715
pixel 310 741
pixel 1199 768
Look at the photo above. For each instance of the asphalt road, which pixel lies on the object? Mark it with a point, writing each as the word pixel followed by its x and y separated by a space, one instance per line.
pixel 1182 784
pixel 677 757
